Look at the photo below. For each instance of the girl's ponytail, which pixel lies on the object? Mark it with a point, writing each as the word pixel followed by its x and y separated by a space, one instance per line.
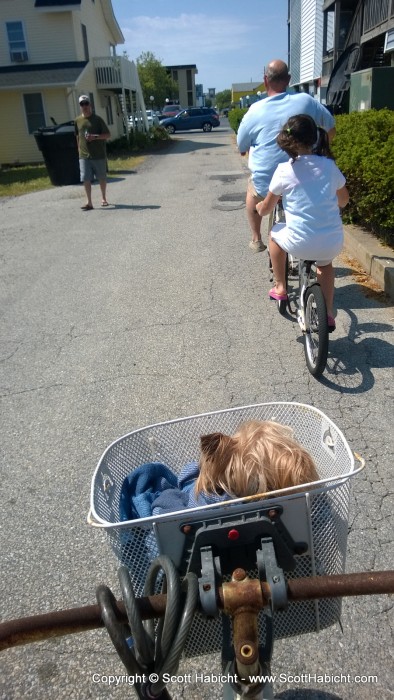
pixel 322 147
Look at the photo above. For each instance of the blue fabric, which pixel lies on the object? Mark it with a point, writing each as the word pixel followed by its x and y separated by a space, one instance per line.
pixel 183 496
pixel 261 125
pixel 142 487
pixel 153 489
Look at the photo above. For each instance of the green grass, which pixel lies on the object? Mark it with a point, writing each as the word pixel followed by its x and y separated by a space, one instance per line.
pixel 24 179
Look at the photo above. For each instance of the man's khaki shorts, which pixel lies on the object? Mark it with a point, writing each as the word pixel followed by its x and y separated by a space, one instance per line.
pixel 259 198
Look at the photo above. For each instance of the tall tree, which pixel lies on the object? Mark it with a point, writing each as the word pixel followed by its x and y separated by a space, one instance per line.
pixel 155 81
pixel 223 99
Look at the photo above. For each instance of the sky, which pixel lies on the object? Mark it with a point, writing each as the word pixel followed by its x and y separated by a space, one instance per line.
pixel 230 41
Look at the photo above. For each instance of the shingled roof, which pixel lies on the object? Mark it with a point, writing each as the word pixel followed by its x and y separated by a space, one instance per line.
pixel 40 75
pixel 56 3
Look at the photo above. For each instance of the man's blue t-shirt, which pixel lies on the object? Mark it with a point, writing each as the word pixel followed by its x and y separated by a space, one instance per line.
pixel 261 125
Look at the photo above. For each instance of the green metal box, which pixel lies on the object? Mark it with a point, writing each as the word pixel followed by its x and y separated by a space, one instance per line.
pixel 372 88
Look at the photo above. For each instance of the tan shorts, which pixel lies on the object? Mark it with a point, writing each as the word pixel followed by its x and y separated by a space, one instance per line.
pixel 259 198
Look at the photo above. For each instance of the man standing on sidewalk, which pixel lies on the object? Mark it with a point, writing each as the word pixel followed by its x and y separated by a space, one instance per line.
pixel 258 131
pixel 92 133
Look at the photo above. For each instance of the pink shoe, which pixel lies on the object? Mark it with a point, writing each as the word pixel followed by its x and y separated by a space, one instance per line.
pixel 278 297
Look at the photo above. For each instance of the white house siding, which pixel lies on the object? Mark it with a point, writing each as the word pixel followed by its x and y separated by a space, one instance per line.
pixel 295 41
pixel 306 40
pixel 311 40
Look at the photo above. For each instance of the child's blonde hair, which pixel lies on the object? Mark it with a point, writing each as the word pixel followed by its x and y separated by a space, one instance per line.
pixel 261 456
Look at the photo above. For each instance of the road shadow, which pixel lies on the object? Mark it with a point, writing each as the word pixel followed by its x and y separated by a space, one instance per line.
pixel 135 207
pixel 186 146
pixel 114 174
pixel 352 358
pixel 301 694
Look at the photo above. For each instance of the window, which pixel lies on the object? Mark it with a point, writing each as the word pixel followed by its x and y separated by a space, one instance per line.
pixel 16 42
pixel 34 109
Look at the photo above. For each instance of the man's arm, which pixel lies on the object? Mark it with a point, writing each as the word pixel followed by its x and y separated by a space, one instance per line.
pixel 243 136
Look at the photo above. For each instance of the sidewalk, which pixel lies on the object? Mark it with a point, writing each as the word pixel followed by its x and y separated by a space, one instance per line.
pixel 376 259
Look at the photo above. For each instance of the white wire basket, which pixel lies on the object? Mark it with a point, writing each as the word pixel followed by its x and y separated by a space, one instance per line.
pixel 317 516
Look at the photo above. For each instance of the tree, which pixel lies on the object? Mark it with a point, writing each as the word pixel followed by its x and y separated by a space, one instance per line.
pixel 223 99
pixel 155 80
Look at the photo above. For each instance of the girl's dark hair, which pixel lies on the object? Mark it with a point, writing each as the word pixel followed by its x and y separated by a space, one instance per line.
pixel 301 130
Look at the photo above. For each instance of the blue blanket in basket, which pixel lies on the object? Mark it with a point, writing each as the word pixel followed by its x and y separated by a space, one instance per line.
pixel 153 489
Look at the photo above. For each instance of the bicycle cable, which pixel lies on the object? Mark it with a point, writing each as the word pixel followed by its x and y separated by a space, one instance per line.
pixel 151 650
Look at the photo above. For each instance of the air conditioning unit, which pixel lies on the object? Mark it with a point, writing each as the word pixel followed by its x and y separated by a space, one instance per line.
pixel 19 56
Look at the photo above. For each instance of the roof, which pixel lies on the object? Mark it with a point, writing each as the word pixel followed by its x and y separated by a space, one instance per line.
pixel 245 87
pixel 41 75
pixel 55 3
pixel 181 67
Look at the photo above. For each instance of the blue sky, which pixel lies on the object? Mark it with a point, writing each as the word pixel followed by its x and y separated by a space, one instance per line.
pixel 230 41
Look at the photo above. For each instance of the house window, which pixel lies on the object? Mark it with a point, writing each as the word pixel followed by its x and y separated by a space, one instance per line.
pixel 16 42
pixel 85 42
pixel 189 82
pixel 34 110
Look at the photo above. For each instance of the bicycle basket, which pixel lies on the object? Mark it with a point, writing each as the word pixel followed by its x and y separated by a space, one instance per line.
pixel 318 516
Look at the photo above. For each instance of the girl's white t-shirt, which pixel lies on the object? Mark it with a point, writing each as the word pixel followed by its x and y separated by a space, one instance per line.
pixel 308 187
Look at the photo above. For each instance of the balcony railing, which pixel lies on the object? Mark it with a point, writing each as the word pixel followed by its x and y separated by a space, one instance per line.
pixel 115 73
pixel 376 12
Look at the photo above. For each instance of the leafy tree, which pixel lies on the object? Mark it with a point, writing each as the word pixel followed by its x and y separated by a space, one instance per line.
pixel 155 80
pixel 223 99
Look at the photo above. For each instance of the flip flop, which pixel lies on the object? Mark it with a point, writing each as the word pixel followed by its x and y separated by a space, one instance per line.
pixel 277 297
pixel 104 204
pixel 87 207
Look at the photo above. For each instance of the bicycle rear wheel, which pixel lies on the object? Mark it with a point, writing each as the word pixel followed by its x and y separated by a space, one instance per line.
pixel 316 330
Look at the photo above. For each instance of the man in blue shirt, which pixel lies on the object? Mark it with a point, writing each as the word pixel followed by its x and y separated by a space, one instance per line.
pixel 258 131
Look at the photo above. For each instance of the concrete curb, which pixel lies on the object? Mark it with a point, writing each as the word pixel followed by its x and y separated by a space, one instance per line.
pixel 376 259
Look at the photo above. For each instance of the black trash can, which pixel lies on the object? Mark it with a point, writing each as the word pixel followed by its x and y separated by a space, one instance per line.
pixel 58 145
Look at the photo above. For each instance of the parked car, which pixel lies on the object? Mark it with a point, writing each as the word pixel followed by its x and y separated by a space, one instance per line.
pixel 153 119
pixel 170 111
pixel 204 118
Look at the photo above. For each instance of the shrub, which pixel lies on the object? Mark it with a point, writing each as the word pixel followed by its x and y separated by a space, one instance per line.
pixel 235 117
pixel 363 150
pixel 138 140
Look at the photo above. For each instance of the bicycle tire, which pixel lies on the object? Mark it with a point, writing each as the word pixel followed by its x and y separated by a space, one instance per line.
pixel 316 330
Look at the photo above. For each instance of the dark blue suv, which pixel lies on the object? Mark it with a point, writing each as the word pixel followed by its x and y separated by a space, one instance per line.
pixel 204 118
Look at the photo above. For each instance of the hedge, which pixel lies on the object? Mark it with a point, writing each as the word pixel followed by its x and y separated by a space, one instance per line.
pixel 235 117
pixel 364 151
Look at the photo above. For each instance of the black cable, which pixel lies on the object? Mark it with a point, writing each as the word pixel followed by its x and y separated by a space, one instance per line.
pixel 146 655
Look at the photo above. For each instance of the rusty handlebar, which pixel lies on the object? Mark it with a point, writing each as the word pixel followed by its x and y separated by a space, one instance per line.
pixel 26 630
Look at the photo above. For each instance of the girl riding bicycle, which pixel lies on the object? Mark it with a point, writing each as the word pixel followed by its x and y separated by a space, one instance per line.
pixel 312 190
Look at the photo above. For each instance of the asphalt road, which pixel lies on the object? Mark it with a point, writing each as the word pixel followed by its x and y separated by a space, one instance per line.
pixel 149 310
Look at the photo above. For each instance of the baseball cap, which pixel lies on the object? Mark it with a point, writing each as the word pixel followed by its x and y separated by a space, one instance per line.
pixel 83 98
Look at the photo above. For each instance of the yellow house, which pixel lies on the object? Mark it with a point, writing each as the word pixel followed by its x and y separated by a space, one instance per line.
pixel 51 51
pixel 246 93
